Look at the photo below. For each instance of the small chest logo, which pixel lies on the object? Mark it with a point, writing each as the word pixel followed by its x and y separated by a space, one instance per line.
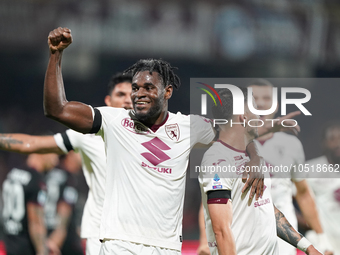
pixel 172 131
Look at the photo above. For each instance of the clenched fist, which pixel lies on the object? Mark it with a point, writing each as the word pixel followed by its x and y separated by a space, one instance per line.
pixel 59 39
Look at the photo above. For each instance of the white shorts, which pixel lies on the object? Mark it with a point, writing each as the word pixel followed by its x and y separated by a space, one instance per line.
pixel 119 247
pixel 92 246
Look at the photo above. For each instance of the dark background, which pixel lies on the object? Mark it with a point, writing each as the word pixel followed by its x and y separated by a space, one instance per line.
pixel 244 38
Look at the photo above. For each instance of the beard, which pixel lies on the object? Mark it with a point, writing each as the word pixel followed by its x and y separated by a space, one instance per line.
pixel 333 156
pixel 152 114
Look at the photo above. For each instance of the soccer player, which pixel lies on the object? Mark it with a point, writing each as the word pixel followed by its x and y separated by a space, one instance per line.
pixel 92 152
pixel 24 195
pixel 326 184
pixel 282 149
pixel 147 153
pixel 62 196
pixel 235 224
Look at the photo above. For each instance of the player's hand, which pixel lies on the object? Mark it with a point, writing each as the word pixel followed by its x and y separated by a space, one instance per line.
pixel 53 248
pixel 253 177
pixel 312 251
pixel 275 126
pixel 203 249
pixel 59 39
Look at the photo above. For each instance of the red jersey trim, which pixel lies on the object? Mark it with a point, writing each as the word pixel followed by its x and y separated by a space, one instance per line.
pixel 217 201
pixel 154 128
pixel 230 147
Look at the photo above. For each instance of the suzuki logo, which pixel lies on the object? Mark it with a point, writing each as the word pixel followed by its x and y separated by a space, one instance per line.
pixel 156 147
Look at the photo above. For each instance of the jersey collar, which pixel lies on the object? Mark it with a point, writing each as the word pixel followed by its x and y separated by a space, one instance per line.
pixel 230 147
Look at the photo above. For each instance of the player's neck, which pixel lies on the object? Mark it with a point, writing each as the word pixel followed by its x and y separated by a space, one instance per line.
pixel 157 120
pixel 162 117
pixel 234 137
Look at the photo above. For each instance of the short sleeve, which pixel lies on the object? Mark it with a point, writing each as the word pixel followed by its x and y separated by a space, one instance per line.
pixel 201 130
pixel 108 114
pixel 69 140
pixel 209 179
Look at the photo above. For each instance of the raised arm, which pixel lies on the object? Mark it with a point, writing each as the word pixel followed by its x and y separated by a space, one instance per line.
pixel 286 232
pixel 272 126
pixel 75 115
pixel 27 144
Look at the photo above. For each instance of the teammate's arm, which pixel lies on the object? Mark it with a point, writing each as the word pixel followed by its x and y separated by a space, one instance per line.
pixel 36 227
pixel 306 202
pixel 203 248
pixel 221 218
pixel 27 144
pixel 286 232
pixel 272 126
pixel 64 212
pixel 76 115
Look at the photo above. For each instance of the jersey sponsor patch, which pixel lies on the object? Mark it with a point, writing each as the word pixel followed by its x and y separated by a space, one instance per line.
pixel 217 187
pixel 134 126
pixel 217 184
pixel 156 146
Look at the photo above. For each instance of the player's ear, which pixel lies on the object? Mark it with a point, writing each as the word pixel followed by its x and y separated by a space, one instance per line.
pixel 242 118
pixel 168 92
pixel 107 100
pixel 277 109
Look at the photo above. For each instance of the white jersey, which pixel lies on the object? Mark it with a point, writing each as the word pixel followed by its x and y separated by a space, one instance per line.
pixel 283 150
pixel 145 178
pixel 92 151
pixel 327 197
pixel 253 224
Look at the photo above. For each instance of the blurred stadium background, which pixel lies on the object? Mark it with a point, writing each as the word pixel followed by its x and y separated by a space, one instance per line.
pixel 235 38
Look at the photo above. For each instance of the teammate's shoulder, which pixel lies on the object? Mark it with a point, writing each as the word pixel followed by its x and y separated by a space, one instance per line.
pixel 71 132
pixel 318 160
pixel 286 138
pixel 217 151
pixel 74 134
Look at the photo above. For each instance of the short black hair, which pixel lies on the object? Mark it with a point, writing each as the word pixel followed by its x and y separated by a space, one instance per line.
pixel 225 111
pixel 116 79
pixel 163 68
pixel 260 82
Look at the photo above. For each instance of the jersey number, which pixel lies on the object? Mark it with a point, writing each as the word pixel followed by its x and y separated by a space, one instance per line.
pixel 14 201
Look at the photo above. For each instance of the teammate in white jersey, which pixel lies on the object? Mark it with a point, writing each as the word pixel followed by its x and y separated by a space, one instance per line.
pixel 326 185
pixel 282 149
pixel 234 224
pixel 147 154
pixel 93 156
